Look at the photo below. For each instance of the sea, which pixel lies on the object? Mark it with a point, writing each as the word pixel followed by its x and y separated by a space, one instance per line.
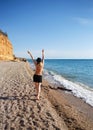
pixel 73 74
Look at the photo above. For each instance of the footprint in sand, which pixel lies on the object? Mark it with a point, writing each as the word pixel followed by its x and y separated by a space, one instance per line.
pixel 22 123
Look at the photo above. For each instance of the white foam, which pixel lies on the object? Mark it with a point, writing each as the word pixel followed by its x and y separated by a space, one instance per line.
pixel 78 89
pixel 48 75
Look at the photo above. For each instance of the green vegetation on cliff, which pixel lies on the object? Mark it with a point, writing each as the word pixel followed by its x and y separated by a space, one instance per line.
pixel 4 33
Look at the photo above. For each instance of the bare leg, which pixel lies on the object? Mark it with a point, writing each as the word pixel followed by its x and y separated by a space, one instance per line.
pixel 38 89
pixel 36 86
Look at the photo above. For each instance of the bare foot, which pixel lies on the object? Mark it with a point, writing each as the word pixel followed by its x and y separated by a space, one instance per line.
pixel 37 97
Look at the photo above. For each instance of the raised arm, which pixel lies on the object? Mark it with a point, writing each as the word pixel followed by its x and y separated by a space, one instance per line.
pixel 31 57
pixel 43 56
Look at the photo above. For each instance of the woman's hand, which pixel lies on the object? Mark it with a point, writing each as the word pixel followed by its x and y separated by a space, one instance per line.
pixel 28 52
pixel 42 50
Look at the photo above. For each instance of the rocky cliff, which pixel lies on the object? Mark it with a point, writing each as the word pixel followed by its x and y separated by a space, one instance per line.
pixel 6 48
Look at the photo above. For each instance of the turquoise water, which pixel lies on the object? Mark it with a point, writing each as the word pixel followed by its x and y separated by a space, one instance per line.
pixel 76 75
pixel 74 70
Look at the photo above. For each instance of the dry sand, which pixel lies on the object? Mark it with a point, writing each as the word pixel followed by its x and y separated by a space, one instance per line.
pixel 56 110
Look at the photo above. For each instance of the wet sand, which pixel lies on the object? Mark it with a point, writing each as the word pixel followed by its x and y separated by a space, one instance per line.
pixel 56 109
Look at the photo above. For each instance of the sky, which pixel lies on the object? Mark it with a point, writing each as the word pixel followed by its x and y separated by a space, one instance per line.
pixel 63 28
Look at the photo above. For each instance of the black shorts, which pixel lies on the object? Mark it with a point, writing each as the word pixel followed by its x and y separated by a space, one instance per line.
pixel 37 78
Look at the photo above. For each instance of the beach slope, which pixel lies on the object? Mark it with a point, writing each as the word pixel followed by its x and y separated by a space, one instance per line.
pixel 56 110
pixel 19 109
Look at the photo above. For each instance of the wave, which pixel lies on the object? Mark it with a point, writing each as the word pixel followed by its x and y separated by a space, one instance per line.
pixel 78 89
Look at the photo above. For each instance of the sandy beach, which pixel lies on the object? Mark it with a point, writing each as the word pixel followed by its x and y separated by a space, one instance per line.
pixel 56 110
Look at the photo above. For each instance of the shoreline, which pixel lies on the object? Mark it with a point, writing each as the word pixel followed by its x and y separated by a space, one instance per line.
pixel 79 103
pixel 56 109
pixel 78 80
pixel 76 113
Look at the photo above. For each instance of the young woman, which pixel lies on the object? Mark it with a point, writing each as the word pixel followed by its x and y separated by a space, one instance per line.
pixel 37 77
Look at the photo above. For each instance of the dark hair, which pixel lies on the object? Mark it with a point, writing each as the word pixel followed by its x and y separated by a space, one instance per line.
pixel 38 60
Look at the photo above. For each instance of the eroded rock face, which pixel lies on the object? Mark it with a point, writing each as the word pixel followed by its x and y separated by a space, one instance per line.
pixel 6 49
